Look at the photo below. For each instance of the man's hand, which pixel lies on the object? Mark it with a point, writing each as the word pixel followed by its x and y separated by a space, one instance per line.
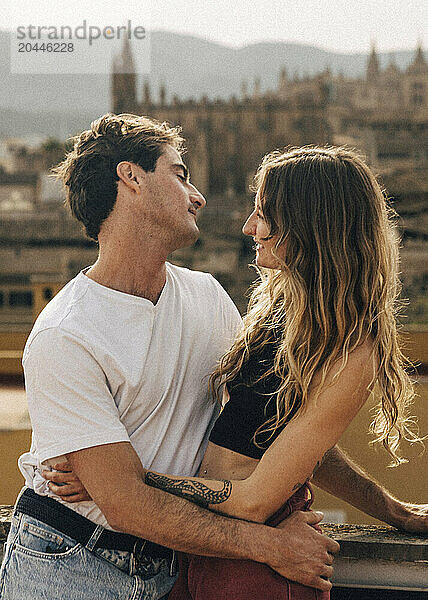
pixel 64 483
pixel 301 552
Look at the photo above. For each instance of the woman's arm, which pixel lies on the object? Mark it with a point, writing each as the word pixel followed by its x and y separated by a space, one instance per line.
pixel 292 457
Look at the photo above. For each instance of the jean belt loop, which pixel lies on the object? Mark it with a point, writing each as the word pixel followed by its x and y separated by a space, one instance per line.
pixel 138 547
pixel 132 564
pixel 171 568
pixel 90 545
pixel 136 555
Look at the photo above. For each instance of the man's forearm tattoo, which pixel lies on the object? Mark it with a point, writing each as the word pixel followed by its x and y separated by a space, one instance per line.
pixel 195 491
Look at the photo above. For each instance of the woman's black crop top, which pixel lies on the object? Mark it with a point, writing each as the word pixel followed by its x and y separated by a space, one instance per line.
pixel 249 407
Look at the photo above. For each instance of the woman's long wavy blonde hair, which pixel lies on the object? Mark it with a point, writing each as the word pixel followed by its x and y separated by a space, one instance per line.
pixel 337 284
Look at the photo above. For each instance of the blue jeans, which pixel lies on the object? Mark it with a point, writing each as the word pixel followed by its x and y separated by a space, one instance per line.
pixel 42 563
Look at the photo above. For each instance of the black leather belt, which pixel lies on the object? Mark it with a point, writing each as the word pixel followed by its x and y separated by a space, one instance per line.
pixel 79 528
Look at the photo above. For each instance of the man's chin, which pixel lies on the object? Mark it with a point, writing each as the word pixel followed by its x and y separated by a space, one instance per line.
pixel 188 239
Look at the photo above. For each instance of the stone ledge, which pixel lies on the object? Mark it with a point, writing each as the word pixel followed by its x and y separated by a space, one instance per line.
pixel 5 516
pixel 378 542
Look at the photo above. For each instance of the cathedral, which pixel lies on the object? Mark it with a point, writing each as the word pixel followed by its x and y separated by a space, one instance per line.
pixel 383 114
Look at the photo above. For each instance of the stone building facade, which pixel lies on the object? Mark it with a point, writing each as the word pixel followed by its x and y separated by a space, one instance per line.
pixel 390 89
pixel 384 114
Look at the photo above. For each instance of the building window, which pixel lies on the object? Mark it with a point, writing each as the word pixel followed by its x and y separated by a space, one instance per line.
pixel 418 94
pixel 47 293
pixel 20 299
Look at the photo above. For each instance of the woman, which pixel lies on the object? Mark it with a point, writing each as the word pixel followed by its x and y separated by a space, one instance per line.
pixel 319 332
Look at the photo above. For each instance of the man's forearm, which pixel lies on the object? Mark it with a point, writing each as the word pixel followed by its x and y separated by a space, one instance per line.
pixel 295 549
pixel 179 524
pixel 342 478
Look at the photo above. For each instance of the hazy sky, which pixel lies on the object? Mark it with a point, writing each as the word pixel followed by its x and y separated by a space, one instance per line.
pixel 341 25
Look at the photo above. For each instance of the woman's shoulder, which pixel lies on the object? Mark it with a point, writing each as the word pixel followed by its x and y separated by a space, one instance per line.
pixel 364 348
pixel 363 356
pixel 357 365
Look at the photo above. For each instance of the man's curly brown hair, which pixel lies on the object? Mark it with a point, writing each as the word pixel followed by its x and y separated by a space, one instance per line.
pixel 88 172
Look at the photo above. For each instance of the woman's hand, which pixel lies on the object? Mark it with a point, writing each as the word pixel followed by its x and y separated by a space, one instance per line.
pixel 64 483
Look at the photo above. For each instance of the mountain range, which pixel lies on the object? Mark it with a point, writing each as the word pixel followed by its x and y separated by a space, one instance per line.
pixel 190 67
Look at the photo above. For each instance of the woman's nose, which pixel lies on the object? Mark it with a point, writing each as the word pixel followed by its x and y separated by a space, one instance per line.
pixel 249 227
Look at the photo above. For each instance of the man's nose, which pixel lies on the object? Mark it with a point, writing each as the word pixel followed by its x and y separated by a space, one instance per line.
pixel 197 197
pixel 249 227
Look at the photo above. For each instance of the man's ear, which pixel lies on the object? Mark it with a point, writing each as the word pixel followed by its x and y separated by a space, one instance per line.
pixel 130 174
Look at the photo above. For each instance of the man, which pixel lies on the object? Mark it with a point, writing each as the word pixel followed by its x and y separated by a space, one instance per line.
pixel 116 373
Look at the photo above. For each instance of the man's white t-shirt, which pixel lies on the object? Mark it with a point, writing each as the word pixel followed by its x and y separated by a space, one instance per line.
pixel 102 366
